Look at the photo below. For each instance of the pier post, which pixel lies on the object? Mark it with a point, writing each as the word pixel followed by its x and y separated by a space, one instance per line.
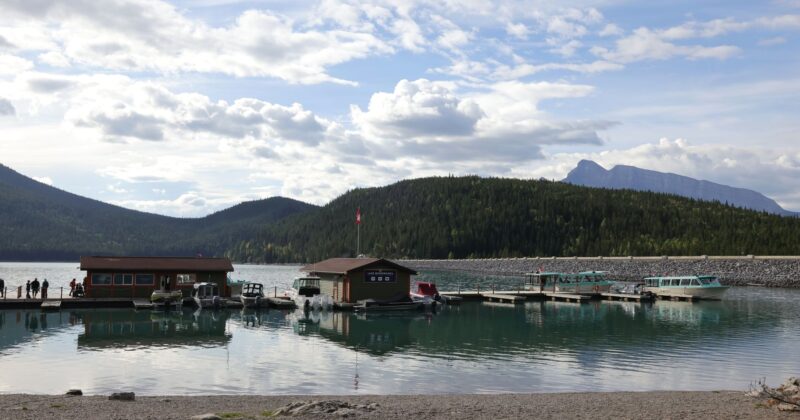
pixel 276 292
pixel 492 287
pixel 62 293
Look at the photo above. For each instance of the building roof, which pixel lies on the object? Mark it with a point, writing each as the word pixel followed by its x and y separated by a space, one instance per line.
pixel 345 265
pixel 156 263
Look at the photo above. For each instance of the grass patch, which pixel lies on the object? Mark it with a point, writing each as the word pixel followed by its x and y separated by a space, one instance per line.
pixel 56 405
pixel 268 413
pixel 231 415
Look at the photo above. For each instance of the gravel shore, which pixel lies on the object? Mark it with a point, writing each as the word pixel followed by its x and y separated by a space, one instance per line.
pixel 616 405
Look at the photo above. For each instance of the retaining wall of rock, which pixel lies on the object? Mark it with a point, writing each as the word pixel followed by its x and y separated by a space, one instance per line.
pixel 735 271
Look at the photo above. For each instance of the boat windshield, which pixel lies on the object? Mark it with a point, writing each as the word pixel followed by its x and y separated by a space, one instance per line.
pixel 305 282
pixel 253 288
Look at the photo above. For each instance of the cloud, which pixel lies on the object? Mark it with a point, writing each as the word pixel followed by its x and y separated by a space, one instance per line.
pixel 645 44
pixel 44 180
pixel 772 41
pixel 611 30
pixel 13 65
pixel 6 108
pixel 150 35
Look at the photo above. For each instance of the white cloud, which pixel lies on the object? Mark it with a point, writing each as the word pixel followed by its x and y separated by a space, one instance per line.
pixel 772 41
pixel 13 65
pixel 518 30
pixel 645 44
pixel 611 30
pixel 44 180
pixel 6 108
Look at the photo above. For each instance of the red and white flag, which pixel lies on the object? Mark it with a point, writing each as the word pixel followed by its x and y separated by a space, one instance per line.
pixel 358 216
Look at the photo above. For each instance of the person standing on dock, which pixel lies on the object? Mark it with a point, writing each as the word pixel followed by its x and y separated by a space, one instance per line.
pixel 2 288
pixel 28 290
pixel 35 287
pixel 72 286
pixel 45 285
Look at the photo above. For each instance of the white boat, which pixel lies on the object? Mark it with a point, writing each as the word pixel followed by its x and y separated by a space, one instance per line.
pixel 585 282
pixel 206 295
pixel 165 296
pixel 701 287
pixel 305 293
pixel 253 295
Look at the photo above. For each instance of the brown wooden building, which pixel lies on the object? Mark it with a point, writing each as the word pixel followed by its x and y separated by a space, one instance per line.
pixel 139 276
pixel 354 279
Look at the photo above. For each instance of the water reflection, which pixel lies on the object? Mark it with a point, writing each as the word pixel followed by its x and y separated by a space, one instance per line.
pixel 145 329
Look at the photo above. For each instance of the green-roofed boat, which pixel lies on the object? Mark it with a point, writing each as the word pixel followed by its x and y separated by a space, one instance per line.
pixel 583 283
pixel 702 287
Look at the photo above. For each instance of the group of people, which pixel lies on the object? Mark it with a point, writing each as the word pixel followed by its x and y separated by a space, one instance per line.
pixel 34 287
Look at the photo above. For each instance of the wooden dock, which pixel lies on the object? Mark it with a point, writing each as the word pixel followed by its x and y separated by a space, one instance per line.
pixel 503 298
pixel 567 297
pixel 626 297
pixel 51 305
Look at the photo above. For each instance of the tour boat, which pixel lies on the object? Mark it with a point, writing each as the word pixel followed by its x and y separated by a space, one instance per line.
pixel 428 294
pixel 306 294
pixel 165 296
pixel 206 295
pixel 585 282
pixel 252 295
pixel 702 287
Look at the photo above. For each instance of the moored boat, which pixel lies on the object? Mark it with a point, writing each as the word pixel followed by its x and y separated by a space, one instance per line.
pixel 206 295
pixel 164 296
pixel 252 295
pixel 584 283
pixel 306 294
pixel 428 294
pixel 700 287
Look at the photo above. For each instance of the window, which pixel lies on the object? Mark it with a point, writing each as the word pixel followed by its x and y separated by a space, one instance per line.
pixel 101 279
pixel 123 279
pixel 185 278
pixel 145 279
pixel 676 282
pixel 685 282
pixel 695 282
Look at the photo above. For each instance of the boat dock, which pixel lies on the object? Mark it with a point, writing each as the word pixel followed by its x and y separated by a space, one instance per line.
pixel 51 305
pixel 502 298
pixel 626 297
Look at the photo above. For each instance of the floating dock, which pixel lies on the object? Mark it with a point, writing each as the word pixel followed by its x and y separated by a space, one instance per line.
pixel 503 298
pixel 626 297
pixel 276 302
pixel 142 304
pixel 567 297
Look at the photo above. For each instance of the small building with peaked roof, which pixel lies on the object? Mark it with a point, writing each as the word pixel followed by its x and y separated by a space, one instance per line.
pixel 137 277
pixel 353 279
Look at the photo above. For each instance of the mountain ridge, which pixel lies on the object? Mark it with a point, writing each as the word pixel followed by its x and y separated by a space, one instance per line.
pixel 589 173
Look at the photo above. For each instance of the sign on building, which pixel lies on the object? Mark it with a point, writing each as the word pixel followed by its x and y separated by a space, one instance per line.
pixel 380 277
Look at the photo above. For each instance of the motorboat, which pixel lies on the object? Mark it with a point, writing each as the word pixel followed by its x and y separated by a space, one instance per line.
pixel 427 293
pixel 306 294
pixel 206 295
pixel 584 282
pixel 701 287
pixel 253 295
pixel 164 296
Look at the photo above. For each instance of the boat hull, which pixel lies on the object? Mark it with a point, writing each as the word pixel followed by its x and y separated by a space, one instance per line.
pixel 253 301
pixel 710 293
pixel 206 303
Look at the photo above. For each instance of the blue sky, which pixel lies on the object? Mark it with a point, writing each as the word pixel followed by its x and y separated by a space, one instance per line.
pixel 188 107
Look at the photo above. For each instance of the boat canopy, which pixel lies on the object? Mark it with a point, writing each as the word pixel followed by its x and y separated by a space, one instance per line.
pixel 303 282
pixel 427 289
pixel 205 290
pixel 252 289
pixel 681 281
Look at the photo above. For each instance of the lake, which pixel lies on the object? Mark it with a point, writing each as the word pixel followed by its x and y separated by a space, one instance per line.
pixel 471 348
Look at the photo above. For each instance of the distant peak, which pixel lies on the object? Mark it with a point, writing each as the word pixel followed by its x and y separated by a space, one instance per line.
pixel 589 164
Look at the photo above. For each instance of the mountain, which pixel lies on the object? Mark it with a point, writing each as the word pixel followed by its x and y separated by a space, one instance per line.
pixel 590 174
pixel 439 217
pixel 466 217
pixel 40 222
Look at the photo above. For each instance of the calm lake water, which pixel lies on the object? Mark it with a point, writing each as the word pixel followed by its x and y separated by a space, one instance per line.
pixel 472 348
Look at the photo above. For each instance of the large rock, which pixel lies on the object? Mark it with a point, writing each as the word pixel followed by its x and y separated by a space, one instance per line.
pixel 122 396
pixel 329 407
pixel 74 392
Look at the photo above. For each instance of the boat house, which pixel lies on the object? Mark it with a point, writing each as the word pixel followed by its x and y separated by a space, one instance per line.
pixel 137 277
pixel 353 279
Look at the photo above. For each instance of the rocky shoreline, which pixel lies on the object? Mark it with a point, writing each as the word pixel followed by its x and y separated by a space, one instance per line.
pixel 734 271
pixel 612 405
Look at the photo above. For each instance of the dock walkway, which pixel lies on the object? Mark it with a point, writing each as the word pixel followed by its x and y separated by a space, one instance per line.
pixel 628 297
pixel 51 305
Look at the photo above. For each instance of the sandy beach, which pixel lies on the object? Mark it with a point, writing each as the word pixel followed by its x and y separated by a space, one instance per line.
pixel 616 405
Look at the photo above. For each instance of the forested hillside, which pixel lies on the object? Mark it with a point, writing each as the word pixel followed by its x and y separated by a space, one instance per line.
pixel 422 218
pixel 480 217
pixel 39 222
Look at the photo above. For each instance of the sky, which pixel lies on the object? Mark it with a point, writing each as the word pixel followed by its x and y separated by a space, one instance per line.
pixel 184 108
